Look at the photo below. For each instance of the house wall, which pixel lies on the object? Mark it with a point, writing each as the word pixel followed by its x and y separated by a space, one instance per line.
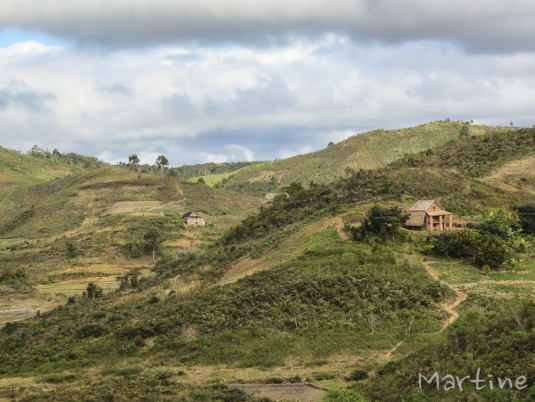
pixel 195 221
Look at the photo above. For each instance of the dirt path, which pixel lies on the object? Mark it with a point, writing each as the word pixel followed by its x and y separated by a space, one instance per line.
pixel 341 232
pixel 393 350
pixel 501 282
pixel 451 305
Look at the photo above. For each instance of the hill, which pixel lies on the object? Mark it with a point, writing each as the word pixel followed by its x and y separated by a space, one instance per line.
pixel 16 168
pixel 284 295
pixel 370 150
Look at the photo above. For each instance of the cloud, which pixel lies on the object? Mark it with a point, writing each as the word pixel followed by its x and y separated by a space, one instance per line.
pixel 17 96
pixel 479 25
pixel 239 102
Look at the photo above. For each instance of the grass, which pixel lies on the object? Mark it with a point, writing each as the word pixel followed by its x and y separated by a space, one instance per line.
pixel 212 179
pixel 16 169
pixel 370 150
pixel 294 301
pixel 456 272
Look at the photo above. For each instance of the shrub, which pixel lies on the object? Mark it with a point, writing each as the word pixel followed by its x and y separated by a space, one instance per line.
pixel 490 250
pixel 93 291
pixel 500 223
pixel 343 395
pixel 526 215
pixel 483 249
pixel 357 375
pixel 71 250
pixel 383 222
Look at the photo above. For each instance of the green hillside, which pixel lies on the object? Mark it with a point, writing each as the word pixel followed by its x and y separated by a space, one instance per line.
pixel 16 168
pixel 370 150
pixel 60 205
pixel 300 288
pixel 495 337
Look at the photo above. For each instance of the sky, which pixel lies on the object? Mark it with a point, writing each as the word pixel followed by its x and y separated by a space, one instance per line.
pixel 235 80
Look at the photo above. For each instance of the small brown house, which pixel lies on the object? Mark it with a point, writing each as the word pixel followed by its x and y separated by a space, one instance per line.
pixel 193 219
pixel 429 215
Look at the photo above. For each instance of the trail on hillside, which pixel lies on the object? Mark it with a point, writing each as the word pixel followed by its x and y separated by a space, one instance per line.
pixel 451 305
pixel 393 350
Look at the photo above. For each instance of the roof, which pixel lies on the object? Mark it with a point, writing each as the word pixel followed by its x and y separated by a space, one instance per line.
pixel 423 205
pixel 191 215
pixel 416 218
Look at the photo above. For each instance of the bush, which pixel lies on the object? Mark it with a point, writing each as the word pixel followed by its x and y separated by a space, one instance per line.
pixel 490 250
pixel 133 249
pixel 71 250
pixel 343 395
pixel 93 291
pixel 500 223
pixel 383 222
pixel 526 215
pixel 357 375
pixel 13 275
pixel 483 249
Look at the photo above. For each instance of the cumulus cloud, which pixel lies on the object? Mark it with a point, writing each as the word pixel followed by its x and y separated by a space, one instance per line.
pixel 237 102
pixel 482 25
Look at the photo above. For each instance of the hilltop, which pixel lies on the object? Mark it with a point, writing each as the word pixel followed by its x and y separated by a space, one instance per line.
pixel 269 293
pixel 16 168
pixel 369 150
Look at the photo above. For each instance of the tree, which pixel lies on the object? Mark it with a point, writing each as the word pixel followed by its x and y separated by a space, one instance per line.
pixel 93 291
pixel 491 250
pixel 385 222
pixel 71 249
pixel 465 132
pixel 134 162
pixel 161 162
pixel 153 238
pixel 371 322
pixel 130 280
pixel 500 223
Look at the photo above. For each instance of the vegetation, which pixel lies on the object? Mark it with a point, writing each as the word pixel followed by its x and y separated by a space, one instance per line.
pixel 370 150
pixel 476 155
pixel 526 215
pixel 80 161
pixel 281 296
pixel 488 245
pixel 304 202
pixel 18 169
pixel 495 336
pixel 386 223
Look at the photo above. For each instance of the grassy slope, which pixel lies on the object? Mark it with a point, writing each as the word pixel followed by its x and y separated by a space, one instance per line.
pixel 60 205
pixel 97 211
pixel 276 329
pixel 493 334
pixel 16 168
pixel 369 150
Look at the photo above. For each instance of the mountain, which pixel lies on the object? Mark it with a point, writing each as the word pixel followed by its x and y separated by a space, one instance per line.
pixel 268 293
